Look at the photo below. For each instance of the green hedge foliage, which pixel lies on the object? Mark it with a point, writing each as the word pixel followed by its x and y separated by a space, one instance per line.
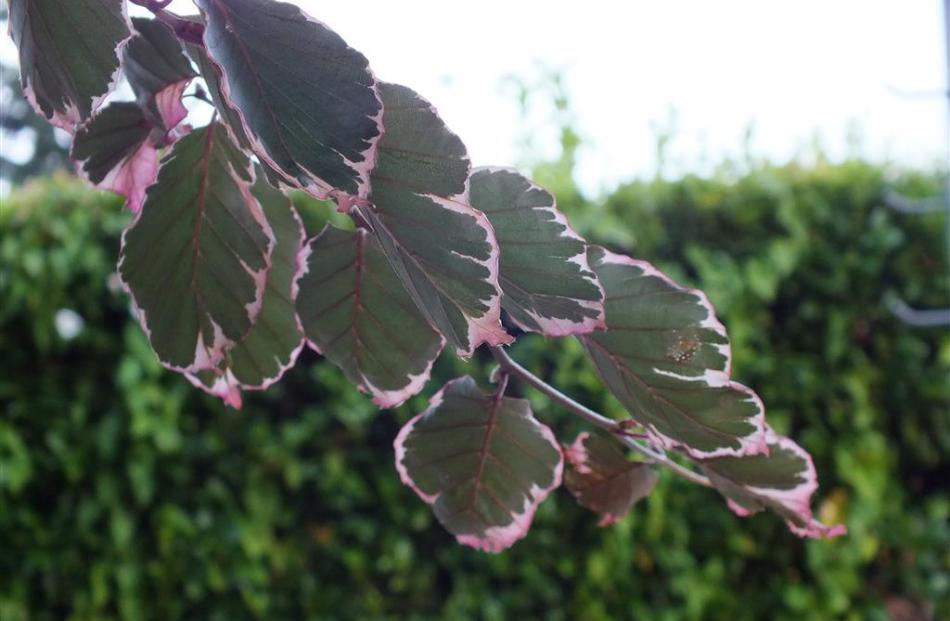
pixel 127 494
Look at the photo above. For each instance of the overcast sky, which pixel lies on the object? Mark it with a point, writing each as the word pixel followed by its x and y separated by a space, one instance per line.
pixel 790 70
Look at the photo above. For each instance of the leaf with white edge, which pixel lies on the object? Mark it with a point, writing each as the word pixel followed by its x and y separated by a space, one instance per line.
pixel 356 312
pixel 159 72
pixel 482 461
pixel 273 344
pixel 69 54
pixel 115 152
pixel 602 479
pixel 666 357
pixel 782 481
pixel 547 284
pixel 307 101
pixel 443 250
pixel 196 258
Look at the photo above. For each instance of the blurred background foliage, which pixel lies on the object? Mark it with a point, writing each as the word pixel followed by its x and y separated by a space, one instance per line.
pixel 127 494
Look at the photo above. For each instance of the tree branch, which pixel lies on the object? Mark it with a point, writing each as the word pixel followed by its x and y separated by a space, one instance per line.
pixel 510 366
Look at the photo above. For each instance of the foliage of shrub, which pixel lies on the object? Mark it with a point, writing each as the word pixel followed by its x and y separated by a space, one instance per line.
pixel 125 493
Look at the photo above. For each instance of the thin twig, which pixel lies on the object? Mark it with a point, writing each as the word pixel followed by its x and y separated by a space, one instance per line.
pixel 186 30
pixel 509 365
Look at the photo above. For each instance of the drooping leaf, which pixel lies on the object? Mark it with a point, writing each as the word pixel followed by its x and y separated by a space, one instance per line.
pixel 782 481
pixel 443 250
pixel 158 70
pixel 274 342
pixel 547 285
pixel 356 312
pixel 211 74
pixel 69 54
pixel 196 258
pixel 482 461
pixel 307 101
pixel 603 480
pixel 115 153
pixel 666 357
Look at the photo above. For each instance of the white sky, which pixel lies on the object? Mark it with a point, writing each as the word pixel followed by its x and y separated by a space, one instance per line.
pixel 791 69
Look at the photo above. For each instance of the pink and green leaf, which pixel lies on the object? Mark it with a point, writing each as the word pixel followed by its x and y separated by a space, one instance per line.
pixel 482 461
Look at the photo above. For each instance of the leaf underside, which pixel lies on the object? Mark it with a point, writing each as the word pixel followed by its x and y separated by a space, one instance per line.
pixel 356 312
pixel 482 461
pixel 443 250
pixel 666 357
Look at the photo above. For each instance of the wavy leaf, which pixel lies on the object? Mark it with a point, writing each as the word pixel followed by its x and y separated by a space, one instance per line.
pixel 307 101
pixel 782 481
pixel 196 258
pixel 602 479
pixel 443 250
pixel 115 153
pixel 69 54
pixel 547 284
pixel 356 312
pixel 272 345
pixel 667 359
pixel 482 461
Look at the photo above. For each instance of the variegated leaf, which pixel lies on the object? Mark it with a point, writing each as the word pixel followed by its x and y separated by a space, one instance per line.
pixel 666 357
pixel 782 481
pixel 196 258
pixel 356 312
pixel 307 101
pixel 482 461
pixel 69 54
pixel 547 285
pixel 443 250
pixel 603 480
pixel 158 70
pixel 274 342
pixel 114 152
pixel 211 74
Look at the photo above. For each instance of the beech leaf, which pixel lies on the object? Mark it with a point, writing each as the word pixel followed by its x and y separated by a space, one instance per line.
pixel 196 258
pixel 443 250
pixel 307 101
pixel 69 54
pixel 547 284
pixel 602 479
pixel 482 461
pixel 356 312
pixel 666 357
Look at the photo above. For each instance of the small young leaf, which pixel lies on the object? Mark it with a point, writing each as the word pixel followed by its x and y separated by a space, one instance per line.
pixel 115 153
pixel 443 250
pixel 69 54
pixel 482 461
pixel 667 359
pixel 783 481
pixel 274 342
pixel 196 258
pixel 603 480
pixel 547 285
pixel 158 70
pixel 356 312
pixel 308 102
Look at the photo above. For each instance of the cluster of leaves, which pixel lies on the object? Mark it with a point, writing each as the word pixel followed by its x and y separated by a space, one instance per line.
pixel 229 290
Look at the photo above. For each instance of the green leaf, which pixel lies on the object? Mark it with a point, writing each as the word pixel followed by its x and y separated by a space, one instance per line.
pixel 356 312
pixel 196 258
pixel 274 342
pixel 308 102
pixel 114 152
pixel 443 250
pixel 602 479
pixel 482 461
pixel 69 54
pixel 211 75
pixel 782 481
pixel 158 70
pixel 666 357
pixel 547 284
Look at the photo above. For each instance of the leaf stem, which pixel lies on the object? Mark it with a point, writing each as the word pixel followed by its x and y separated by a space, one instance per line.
pixel 185 29
pixel 510 366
